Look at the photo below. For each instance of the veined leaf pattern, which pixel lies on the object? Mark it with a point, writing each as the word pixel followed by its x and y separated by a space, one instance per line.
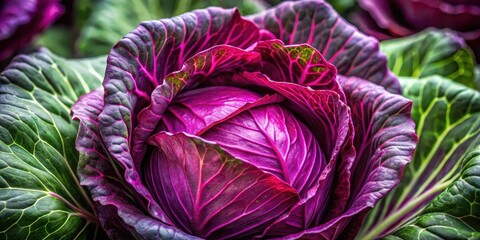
pixel 432 52
pixel 447 115
pixel 437 73
pixel 40 195
pixel 454 214
pixel 112 19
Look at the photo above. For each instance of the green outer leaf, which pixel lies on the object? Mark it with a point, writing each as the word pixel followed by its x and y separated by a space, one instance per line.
pixel 58 39
pixel 40 196
pixel 447 115
pixel 342 6
pixel 477 76
pixel 431 52
pixel 112 19
pixel 454 214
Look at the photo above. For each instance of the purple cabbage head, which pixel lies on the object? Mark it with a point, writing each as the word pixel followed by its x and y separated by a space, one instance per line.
pixel 211 125
pixel 20 21
pixel 386 19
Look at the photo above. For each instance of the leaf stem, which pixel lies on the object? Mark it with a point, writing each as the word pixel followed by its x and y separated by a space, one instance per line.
pixel 80 211
pixel 428 159
pixel 391 219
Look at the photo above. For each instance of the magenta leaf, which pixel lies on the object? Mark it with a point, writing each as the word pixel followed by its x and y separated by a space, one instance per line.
pixel 301 64
pixel 211 194
pixel 328 119
pixel 272 138
pixel 117 209
pixel 384 140
pixel 216 61
pixel 195 110
pixel 210 127
pixel 274 141
pixel 21 21
pixel 317 24
pixel 140 62
pixel 393 19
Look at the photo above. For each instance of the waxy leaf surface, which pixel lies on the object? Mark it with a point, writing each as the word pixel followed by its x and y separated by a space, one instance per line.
pixel 40 195
pixel 110 20
pixel 447 115
pixel 211 194
pixel 455 213
pixel 316 23
pixel 431 52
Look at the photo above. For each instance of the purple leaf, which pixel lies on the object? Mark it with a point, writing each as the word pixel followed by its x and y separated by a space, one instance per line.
pixel 273 139
pixel 194 110
pixel 20 21
pixel 384 140
pixel 393 19
pixel 211 194
pixel 328 119
pixel 210 63
pixel 382 123
pixel 277 151
pixel 140 62
pixel 117 211
pixel 299 64
pixel 317 24
pixel 383 17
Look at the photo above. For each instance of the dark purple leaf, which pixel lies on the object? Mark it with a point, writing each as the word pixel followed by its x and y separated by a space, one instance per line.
pixel 260 132
pixel 195 110
pixel 140 62
pixel 211 194
pixel 384 141
pixel 317 24
pixel 271 138
pixel 20 21
pixel 299 64
pixel 393 19
pixel 383 16
pixel 215 61
pixel 117 211
pixel 442 14
pixel 329 120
